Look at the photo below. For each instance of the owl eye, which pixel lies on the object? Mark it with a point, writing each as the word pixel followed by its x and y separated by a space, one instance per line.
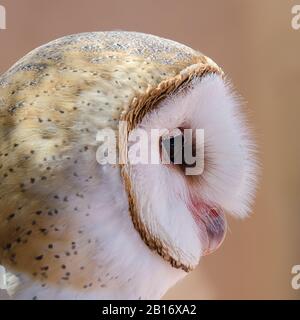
pixel 173 147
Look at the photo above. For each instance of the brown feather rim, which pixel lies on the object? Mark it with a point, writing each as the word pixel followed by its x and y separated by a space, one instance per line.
pixel 139 107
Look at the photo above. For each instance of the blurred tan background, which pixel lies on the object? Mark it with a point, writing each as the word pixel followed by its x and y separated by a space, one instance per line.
pixel 255 44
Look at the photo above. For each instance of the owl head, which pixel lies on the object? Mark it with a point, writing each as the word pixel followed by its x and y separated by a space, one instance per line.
pixel 164 101
pixel 179 206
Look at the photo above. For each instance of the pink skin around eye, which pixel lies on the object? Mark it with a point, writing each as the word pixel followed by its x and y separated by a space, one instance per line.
pixel 211 222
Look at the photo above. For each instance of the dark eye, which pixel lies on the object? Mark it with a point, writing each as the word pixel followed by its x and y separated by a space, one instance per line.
pixel 173 147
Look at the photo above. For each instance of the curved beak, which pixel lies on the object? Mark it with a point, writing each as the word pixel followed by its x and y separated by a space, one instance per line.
pixel 216 227
pixel 212 225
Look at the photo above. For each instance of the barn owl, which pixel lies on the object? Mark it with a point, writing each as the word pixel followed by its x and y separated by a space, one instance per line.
pixel 72 228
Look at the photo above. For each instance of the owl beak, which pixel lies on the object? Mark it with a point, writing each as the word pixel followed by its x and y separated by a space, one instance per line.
pixel 212 225
pixel 215 224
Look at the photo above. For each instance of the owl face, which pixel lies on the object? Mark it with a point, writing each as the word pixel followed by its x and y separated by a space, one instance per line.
pixel 178 213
